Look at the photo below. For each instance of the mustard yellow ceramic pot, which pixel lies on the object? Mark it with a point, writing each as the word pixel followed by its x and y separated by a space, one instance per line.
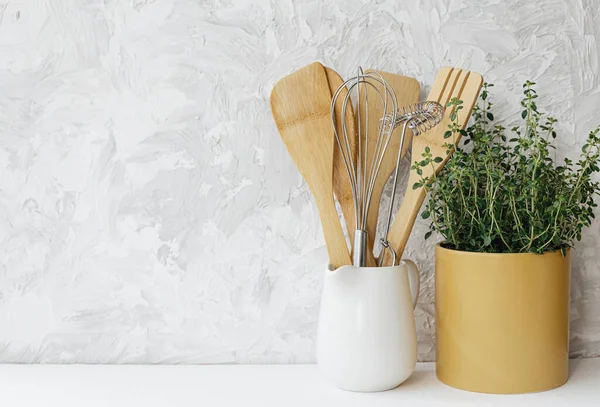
pixel 502 320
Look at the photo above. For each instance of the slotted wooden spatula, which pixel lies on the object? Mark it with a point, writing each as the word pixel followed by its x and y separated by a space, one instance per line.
pixel 407 92
pixel 300 104
pixel 449 83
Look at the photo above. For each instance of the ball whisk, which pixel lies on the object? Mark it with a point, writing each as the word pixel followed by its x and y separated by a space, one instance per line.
pixel 420 117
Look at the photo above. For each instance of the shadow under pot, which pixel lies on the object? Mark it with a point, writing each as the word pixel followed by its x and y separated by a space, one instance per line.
pixel 502 320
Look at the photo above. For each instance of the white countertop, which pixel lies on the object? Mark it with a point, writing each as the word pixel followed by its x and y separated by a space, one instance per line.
pixel 255 385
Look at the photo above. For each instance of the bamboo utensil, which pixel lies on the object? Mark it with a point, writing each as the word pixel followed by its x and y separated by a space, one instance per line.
pixel 449 82
pixel 300 104
pixel 407 93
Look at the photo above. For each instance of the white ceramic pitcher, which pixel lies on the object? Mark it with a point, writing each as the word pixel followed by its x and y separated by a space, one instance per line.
pixel 367 339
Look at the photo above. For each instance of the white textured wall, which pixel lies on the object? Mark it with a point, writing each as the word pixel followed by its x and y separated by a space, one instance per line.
pixel 148 209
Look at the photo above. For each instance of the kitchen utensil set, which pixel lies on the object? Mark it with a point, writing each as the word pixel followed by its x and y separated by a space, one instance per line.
pixel 341 136
pixel 372 147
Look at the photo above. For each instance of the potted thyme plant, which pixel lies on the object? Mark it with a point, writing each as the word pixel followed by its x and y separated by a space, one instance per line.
pixel 508 216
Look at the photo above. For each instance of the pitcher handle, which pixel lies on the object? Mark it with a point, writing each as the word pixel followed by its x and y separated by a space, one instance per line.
pixel 414 281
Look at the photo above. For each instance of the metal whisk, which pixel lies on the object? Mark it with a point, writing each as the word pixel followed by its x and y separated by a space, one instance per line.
pixel 363 174
pixel 420 117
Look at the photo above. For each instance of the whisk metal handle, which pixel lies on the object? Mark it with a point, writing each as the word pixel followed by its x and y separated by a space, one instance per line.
pixel 386 245
pixel 359 253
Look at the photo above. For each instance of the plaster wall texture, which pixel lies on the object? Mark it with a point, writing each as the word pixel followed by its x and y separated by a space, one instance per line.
pixel 149 212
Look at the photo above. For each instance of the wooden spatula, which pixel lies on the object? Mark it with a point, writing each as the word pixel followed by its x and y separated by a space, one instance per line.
pixel 300 104
pixel 449 83
pixel 407 92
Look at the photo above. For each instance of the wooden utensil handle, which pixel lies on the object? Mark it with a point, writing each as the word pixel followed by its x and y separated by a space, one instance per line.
pixel 404 221
pixel 333 232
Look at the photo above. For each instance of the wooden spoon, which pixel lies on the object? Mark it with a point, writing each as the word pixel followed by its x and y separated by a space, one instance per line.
pixel 449 82
pixel 300 104
pixel 407 92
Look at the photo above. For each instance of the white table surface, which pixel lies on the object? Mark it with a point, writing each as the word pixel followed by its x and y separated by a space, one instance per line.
pixel 256 385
